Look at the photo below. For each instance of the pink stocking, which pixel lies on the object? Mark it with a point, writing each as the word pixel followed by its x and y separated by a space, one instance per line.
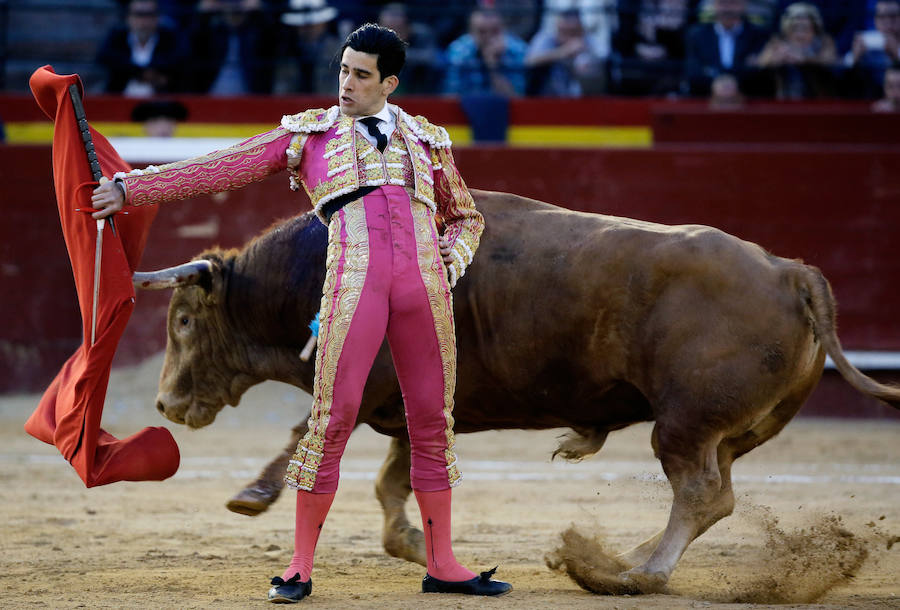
pixel 435 509
pixel 311 511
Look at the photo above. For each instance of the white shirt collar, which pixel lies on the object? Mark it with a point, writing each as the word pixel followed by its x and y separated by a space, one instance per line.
pixel 386 114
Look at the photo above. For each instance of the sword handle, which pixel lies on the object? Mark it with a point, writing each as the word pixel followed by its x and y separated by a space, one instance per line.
pixel 85 131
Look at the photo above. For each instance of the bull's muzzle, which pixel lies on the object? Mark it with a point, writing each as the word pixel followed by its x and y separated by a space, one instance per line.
pixel 185 410
pixel 170 410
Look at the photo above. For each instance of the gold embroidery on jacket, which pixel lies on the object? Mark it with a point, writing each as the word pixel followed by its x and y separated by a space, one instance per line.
pixel 353 162
pixel 342 175
pixel 422 170
pixel 222 170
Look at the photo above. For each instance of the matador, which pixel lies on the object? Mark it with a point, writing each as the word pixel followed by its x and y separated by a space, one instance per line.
pixel 381 180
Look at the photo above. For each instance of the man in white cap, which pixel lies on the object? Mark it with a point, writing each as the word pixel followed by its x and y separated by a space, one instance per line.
pixel 309 57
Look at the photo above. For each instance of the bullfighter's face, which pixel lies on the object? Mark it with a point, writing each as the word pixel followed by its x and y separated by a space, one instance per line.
pixel 362 92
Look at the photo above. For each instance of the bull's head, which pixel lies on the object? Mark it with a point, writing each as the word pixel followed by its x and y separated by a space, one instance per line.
pixel 199 374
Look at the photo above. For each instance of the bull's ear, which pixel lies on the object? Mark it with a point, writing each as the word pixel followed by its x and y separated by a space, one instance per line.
pixel 194 272
pixel 212 282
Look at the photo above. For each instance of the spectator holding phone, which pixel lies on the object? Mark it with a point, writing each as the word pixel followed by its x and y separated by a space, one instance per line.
pixel 874 50
pixel 801 56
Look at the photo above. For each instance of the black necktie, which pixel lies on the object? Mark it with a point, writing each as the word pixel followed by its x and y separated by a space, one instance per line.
pixel 371 124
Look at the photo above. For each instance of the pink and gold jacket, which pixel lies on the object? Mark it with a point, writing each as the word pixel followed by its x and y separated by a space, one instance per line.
pixel 324 153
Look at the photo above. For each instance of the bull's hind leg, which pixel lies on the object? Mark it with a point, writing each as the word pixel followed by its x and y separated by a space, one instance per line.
pixel 641 553
pixel 698 465
pixel 256 497
pixel 392 488
pixel 702 495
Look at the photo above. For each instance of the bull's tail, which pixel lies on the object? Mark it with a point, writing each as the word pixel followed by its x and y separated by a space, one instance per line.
pixel 821 303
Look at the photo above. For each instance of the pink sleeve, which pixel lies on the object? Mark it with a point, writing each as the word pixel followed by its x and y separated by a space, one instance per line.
pixel 223 170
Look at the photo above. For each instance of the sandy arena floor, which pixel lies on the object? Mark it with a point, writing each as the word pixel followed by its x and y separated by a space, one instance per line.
pixel 818 518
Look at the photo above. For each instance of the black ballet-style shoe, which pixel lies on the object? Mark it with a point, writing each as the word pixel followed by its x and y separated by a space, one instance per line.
pixel 480 585
pixel 289 591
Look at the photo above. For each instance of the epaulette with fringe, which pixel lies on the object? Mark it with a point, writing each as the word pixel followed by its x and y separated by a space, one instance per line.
pixel 313 120
pixel 435 135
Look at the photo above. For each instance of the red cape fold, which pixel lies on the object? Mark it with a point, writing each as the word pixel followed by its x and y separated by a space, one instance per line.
pixel 71 409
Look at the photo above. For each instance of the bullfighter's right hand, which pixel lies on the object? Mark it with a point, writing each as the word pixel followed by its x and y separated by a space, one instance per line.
pixel 108 198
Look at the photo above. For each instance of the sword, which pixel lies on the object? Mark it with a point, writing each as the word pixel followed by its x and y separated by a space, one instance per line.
pixel 96 174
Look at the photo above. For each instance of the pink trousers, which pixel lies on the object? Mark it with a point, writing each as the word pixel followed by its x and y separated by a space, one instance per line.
pixel 384 276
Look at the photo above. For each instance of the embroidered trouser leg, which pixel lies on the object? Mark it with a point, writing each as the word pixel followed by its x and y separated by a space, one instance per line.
pixel 384 276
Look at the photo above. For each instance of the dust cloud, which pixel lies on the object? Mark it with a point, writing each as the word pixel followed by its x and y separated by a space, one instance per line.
pixel 802 565
pixel 791 567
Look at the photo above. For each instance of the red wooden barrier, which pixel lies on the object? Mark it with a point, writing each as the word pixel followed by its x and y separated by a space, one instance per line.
pixel 835 208
pixel 781 124
pixel 443 110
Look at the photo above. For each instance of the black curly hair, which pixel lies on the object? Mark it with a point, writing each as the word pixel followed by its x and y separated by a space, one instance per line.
pixel 383 42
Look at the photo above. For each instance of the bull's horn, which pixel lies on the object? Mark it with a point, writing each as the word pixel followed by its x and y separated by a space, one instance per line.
pixel 173 277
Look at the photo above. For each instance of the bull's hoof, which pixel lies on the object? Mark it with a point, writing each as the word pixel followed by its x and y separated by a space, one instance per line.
pixel 643 582
pixel 252 501
pixel 408 544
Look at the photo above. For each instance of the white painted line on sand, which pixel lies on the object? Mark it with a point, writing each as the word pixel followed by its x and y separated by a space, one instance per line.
pixel 217 467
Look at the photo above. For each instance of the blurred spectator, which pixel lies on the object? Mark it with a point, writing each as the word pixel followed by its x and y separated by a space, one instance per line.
pixel 801 56
pixel 141 56
pixel 757 12
pixel 874 50
pixel 563 61
pixel 234 49
pixel 159 117
pixel 522 18
pixel 422 71
pixel 598 18
pixel 172 13
pixel 841 18
pixel 725 93
pixel 309 60
pixel 447 20
pixel 891 100
pixel 649 45
pixel 487 59
pixel 350 14
pixel 728 44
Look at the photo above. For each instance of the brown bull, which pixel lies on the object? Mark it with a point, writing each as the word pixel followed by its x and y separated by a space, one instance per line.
pixel 566 319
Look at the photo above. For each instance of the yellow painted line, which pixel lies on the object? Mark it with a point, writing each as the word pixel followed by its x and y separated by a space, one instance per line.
pixel 221 130
pixel 41 132
pixel 459 134
pixel 29 133
pixel 554 135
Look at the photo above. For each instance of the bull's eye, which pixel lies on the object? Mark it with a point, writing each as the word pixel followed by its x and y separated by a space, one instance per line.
pixel 185 321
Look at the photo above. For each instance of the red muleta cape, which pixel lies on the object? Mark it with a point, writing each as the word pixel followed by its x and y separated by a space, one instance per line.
pixel 70 410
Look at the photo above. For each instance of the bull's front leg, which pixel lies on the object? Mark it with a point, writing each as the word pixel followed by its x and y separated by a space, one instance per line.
pixel 256 497
pixel 392 488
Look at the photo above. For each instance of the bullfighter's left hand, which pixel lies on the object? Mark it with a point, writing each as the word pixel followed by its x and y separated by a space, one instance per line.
pixel 446 249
